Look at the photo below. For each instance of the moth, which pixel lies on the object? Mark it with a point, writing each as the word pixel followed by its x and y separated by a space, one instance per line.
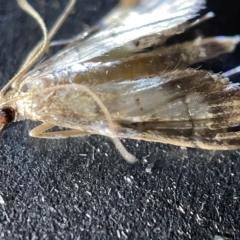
pixel 119 79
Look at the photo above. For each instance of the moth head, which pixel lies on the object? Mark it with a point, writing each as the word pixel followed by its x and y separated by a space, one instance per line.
pixel 7 115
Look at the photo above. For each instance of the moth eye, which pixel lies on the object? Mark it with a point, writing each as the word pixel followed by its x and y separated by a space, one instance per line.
pixel 7 115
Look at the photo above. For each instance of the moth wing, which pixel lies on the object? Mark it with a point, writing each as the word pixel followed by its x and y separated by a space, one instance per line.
pixel 147 23
pixel 127 30
pixel 169 99
pixel 180 108
pixel 183 99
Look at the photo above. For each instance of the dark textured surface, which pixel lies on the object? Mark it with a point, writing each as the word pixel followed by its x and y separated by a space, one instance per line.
pixel 82 189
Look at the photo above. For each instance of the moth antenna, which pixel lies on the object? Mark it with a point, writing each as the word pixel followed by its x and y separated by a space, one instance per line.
pixel 61 19
pixel 51 34
pixel 32 12
pixel 58 23
pixel 119 146
pixel 42 46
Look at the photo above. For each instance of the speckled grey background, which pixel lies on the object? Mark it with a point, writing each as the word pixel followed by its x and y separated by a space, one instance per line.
pixel 82 189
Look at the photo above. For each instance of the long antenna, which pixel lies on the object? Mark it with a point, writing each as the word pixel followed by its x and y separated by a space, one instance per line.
pixel 32 12
pixel 42 46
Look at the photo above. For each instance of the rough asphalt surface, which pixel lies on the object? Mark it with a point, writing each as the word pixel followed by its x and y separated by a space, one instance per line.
pixel 82 189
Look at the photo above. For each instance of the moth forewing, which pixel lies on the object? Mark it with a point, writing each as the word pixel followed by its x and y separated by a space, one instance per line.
pixel 121 81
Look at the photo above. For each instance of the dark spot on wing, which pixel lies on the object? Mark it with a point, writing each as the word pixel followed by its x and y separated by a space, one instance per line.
pixel 137 43
pixel 137 101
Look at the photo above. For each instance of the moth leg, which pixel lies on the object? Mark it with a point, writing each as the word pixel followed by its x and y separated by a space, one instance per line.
pixel 170 58
pixel 79 38
pixel 203 49
pixel 40 132
pixel 187 53
pixel 198 21
pixel 232 72
pixel 56 43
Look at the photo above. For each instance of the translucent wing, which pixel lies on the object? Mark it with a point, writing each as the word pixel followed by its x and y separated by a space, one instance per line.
pixel 183 99
pixel 147 22
pixel 180 108
pixel 128 30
